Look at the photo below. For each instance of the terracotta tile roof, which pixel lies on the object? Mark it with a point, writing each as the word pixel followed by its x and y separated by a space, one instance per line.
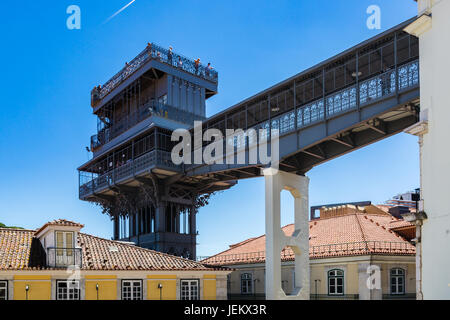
pixel 18 249
pixel 241 243
pixel 60 222
pixel 103 254
pixel 393 225
pixel 352 234
pixel 15 245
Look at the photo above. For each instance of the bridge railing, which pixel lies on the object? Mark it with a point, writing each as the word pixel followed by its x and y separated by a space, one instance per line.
pixel 161 54
pixel 386 84
pixel 370 90
pixel 328 250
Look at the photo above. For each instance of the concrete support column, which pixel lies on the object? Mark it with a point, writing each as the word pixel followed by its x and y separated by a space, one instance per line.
pixel 276 240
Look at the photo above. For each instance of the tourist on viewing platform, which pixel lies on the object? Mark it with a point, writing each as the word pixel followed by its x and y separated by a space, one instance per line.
pixel 180 63
pixel 149 48
pixel 197 64
pixel 208 69
pixel 169 56
pixel 158 56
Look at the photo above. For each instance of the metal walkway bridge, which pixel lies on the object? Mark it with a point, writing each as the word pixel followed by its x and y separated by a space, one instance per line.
pixel 360 96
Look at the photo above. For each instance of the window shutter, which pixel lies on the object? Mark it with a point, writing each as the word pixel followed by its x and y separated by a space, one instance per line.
pixel 59 243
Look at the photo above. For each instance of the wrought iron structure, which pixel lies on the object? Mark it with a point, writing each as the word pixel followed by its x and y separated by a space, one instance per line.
pixel 363 95
pixel 358 97
pixel 130 174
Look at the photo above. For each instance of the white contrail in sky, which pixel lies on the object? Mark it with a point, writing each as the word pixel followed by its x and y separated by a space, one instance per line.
pixel 119 11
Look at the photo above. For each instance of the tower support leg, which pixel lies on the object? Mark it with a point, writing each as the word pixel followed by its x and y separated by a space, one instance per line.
pixel 276 240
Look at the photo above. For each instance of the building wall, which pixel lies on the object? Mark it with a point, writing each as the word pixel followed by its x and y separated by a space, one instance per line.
pixel 410 277
pixel 209 287
pixel 42 284
pixel 107 287
pixel 435 165
pixel 355 287
pixel 221 287
pixel 168 290
pixel 39 287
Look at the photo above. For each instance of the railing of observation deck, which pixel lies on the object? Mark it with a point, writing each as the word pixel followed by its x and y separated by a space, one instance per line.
pixel 152 108
pixel 159 53
pixel 91 183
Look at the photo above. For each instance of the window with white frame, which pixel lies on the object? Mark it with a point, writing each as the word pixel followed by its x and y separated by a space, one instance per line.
pixel 189 289
pixel 64 248
pixel 397 281
pixel 246 283
pixel 336 282
pixel 131 289
pixel 3 290
pixel 67 290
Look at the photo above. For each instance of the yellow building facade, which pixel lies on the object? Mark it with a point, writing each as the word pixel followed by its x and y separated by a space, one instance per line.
pixel 354 278
pixel 43 265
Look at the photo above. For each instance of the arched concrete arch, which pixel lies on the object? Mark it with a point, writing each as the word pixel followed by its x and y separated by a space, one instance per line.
pixel 276 240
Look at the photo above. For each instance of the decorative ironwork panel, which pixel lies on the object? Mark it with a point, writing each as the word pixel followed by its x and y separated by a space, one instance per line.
pixel 154 52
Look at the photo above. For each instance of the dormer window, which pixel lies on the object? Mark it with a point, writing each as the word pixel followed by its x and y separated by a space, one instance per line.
pixel 59 240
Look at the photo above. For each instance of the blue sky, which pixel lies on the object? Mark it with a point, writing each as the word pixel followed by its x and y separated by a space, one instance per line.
pixel 48 71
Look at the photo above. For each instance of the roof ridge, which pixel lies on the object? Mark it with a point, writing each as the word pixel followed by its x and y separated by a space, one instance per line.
pixel 237 244
pixel 254 238
pixel 354 213
pixel 360 228
pixel 386 229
